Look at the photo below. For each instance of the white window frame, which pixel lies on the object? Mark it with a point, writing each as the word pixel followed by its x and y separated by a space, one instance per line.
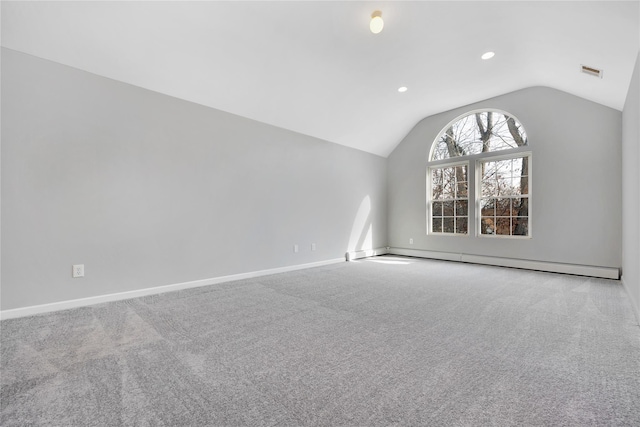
pixel 487 157
pixel 474 195
pixel 441 165
pixel 460 117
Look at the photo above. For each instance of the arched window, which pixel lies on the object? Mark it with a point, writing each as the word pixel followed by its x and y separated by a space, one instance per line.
pixel 488 146
pixel 480 132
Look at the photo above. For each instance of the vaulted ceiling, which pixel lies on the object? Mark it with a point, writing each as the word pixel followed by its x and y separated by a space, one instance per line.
pixel 315 68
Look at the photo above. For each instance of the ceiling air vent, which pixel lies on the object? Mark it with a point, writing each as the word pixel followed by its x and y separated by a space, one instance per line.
pixel 591 71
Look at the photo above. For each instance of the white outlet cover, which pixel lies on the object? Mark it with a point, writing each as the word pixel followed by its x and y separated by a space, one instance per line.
pixel 78 270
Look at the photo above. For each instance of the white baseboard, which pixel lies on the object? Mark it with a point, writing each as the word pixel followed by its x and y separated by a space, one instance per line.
pixel 604 272
pixel 446 256
pixel 553 267
pixel 350 256
pixel 83 302
pixel 634 305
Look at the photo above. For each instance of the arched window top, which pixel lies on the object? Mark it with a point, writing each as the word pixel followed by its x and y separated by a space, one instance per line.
pixel 478 132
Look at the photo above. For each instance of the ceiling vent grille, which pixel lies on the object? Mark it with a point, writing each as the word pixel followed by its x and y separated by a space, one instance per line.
pixel 591 71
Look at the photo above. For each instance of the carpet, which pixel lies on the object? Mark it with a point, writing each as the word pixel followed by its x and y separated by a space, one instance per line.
pixel 380 341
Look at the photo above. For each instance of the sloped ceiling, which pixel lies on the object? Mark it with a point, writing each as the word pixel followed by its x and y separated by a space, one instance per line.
pixel 315 68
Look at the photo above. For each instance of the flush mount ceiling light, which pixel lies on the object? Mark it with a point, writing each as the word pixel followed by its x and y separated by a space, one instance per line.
pixel 376 23
pixel 488 55
pixel 402 89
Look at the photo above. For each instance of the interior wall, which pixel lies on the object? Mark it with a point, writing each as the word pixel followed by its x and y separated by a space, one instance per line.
pixel 147 190
pixel 575 189
pixel 631 190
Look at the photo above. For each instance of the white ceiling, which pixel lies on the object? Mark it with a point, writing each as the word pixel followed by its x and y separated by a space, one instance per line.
pixel 315 68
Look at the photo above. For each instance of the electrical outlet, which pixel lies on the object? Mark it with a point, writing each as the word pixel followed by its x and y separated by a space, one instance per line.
pixel 411 241
pixel 313 246
pixel 295 248
pixel 78 270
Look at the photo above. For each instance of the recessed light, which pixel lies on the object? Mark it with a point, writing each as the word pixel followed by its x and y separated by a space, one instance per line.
pixel 487 55
pixel 402 89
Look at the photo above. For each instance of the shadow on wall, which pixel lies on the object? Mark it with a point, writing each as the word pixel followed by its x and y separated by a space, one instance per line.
pixel 362 230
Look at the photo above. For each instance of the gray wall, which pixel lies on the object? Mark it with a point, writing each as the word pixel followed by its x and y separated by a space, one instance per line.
pixel 148 190
pixel 631 190
pixel 576 182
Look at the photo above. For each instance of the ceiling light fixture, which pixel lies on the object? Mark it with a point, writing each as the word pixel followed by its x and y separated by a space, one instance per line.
pixel 402 89
pixel 488 55
pixel 376 23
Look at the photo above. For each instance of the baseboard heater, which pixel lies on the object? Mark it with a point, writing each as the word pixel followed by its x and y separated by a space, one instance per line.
pixel 350 256
pixel 552 267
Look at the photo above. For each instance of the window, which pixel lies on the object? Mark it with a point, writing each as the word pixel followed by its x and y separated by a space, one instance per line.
pixel 481 132
pixel 449 199
pixel 504 196
pixel 488 146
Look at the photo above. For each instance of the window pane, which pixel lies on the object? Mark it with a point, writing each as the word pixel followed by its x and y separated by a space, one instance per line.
pixel 447 225
pixel 503 207
pixel 488 207
pixel 448 191
pixel 448 174
pixel 461 225
pixel 447 208
pixel 436 209
pixel 487 225
pixel 490 188
pixel 436 191
pixel 521 207
pixel 436 225
pixel 521 226
pixel 462 190
pixel 503 226
pixel 523 184
pixel 468 135
pixel 515 205
pixel 523 166
pixel 461 208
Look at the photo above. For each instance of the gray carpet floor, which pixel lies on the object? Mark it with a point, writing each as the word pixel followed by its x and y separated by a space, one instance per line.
pixel 376 342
